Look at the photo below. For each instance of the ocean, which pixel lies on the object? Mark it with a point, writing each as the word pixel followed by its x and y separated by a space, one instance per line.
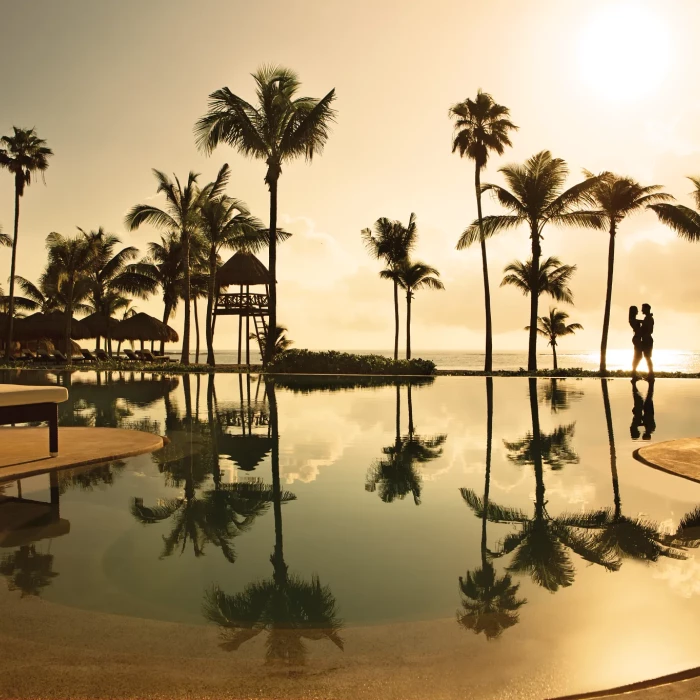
pixel 664 360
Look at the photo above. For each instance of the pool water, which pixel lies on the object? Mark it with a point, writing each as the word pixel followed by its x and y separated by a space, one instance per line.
pixel 308 511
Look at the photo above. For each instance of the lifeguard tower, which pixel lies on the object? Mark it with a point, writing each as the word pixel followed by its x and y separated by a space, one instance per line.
pixel 244 271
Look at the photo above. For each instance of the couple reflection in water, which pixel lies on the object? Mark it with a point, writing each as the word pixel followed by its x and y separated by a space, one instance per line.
pixel 541 544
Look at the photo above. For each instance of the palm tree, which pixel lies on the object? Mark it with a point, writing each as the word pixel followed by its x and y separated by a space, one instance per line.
pixel 226 223
pixel 554 326
pixel 23 154
pixel 282 127
pixel 182 215
pixel 288 607
pixel 683 220
pixel 282 342
pixel 413 276
pixel 481 127
pixel 489 602
pixel 5 240
pixel 617 197
pixel 71 259
pixel 536 198
pixel 111 276
pixel 393 243
pixel 164 265
pixel 553 278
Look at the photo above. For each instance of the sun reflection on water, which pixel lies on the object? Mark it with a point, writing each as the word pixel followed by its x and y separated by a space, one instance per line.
pixel 664 360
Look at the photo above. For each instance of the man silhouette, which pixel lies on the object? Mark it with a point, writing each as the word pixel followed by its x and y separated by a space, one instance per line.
pixel 646 343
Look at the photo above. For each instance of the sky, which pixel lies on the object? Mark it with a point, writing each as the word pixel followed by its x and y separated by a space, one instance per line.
pixel 116 87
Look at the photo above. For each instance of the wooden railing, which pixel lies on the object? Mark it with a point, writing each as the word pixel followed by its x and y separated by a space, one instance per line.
pixel 256 302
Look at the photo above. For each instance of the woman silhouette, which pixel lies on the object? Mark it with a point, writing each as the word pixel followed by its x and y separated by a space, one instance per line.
pixel 636 325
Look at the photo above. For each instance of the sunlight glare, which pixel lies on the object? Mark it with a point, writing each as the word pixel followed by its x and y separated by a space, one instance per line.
pixel 624 51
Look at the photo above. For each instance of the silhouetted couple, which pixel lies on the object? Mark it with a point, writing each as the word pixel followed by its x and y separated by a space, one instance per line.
pixel 643 338
pixel 643 411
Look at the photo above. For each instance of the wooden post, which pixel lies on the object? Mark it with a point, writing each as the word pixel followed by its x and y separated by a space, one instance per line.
pixel 240 324
pixel 247 326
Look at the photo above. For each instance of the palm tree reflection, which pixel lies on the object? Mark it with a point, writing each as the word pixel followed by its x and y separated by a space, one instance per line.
pixel 215 515
pixel 27 570
pixel 395 475
pixel 541 546
pixel 289 608
pixel 559 394
pixel 489 602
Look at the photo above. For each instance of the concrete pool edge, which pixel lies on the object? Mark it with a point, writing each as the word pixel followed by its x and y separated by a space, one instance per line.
pixel 679 457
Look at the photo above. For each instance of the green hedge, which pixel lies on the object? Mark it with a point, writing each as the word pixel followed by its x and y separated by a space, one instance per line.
pixel 331 362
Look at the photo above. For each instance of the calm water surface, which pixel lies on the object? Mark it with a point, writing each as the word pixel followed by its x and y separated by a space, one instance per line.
pixel 382 505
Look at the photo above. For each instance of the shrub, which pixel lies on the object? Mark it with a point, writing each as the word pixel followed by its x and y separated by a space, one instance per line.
pixel 331 362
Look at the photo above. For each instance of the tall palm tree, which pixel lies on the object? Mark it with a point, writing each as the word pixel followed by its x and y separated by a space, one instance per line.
pixel 489 602
pixel 288 607
pixel 554 326
pixel 72 259
pixel 537 197
pixel 23 154
pixel 43 296
pixel 481 127
pixel 5 240
pixel 226 223
pixel 164 265
pixel 393 243
pixel 618 197
pixel 182 215
pixel 683 220
pixel 411 277
pixel 552 278
pixel 282 127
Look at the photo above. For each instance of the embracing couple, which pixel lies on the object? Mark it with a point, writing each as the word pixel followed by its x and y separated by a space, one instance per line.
pixel 643 338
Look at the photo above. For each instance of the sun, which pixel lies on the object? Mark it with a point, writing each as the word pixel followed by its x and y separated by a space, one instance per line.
pixel 624 51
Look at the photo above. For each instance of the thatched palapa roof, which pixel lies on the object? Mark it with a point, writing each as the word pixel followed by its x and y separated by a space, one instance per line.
pixel 247 451
pixel 51 325
pixel 144 327
pixel 100 325
pixel 242 269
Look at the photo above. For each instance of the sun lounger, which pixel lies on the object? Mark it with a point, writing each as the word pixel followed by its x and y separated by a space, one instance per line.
pixel 43 356
pixel 58 356
pixel 20 403
pixel 102 356
pixel 131 355
pixel 88 356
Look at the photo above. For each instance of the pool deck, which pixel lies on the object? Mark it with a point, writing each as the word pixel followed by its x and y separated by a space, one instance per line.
pixel 25 450
pixel 678 457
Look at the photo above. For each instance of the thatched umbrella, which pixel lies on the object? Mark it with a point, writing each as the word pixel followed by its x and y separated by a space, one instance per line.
pixel 101 326
pixel 246 451
pixel 52 326
pixel 144 327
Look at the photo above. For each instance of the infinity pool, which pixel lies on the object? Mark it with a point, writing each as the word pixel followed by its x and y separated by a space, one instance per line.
pixel 325 539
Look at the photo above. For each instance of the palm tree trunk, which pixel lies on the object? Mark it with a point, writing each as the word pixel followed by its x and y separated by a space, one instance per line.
pixel 211 293
pixel 166 318
pixel 188 399
pixel 185 356
pixel 13 265
pixel 410 410
pixel 554 355
pixel 277 557
pixel 608 299
pixel 611 443
pixel 534 299
pixel 270 345
pixel 398 412
pixel 408 325
pixel 196 331
pixel 396 320
pixel 488 361
pixel 67 348
pixel 487 475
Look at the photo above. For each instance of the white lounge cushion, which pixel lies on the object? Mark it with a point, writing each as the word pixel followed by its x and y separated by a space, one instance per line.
pixel 22 394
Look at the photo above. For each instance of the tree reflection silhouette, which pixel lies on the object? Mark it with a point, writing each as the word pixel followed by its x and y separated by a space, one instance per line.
pixel 217 515
pixel 622 536
pixel 541 546
pixel 558 394
pixel 287 607
pixel 489 602
pixel 27 570
pixel 395 475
